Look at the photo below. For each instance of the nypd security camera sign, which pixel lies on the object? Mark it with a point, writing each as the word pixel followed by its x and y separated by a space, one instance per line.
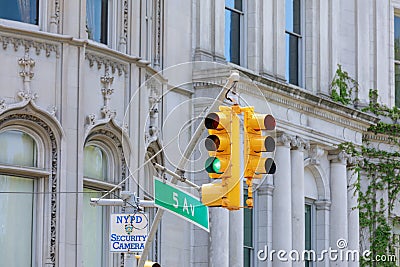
pixel 128 232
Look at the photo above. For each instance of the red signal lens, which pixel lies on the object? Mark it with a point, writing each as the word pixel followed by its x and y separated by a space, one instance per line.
pixel 269 122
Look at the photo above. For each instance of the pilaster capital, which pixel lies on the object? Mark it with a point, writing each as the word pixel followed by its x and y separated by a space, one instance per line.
pixel 266 189
pixel 298 143
pixel 323 204
pixel 338 156
pixel 283 139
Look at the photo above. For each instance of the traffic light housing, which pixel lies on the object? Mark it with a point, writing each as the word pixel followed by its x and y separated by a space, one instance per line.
pixel 255 143
pixel 223 146
pixel 148 263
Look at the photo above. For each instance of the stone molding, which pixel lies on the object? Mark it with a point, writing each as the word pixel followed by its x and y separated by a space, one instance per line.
pixel 338 157
pixel 298 143
pixel 38 46
pixel 107 62
pixel 323 205
pixel 283 139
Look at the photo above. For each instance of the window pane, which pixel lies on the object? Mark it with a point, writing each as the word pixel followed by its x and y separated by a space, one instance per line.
pixel 397 84
pixel 308 230
pixel 95 163
pixel 16 220
pixel 92 242
pixel 21 10
pixel 17 148
pixel 292 59
pixel 97 20
pixel 232 36
pixel 397 37
pixel 293 16
pixel 236 4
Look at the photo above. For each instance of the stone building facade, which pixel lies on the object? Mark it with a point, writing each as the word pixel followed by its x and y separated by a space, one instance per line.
pixel 91 90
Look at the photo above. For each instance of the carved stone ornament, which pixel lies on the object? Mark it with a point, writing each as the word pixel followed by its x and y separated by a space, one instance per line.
pixel 27 64
pixel 283 139
pixel 107 62
pixel 39 46
pixel 299 143
pixel 316 153
pixel 55 17
pixel 339 156
pixel 107 91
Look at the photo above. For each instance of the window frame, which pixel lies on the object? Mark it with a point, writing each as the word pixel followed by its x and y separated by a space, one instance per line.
pixel 41 200
pixel 242 28
pixel 300 47
pixel 90 183
pixel 311 203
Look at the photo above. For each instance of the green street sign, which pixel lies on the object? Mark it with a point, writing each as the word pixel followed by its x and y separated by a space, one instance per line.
pixel 181 203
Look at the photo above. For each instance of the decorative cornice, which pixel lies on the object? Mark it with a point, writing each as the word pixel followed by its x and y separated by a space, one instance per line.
pixel 294 98
pixel 107 62
pixel 39 46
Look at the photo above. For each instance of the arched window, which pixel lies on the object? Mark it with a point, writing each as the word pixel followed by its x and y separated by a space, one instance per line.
pixel 18 202
pixel 99 175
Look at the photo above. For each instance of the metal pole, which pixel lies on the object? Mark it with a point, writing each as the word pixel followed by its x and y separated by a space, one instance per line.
pixel 180 178
pixel 233 78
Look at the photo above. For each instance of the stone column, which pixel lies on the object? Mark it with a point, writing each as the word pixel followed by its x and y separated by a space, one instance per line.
pixel 219 240
pixel 298 218
pixel 338 216
pixel 263 215
pixel 282 201
pixel 323 208
pixel 352 211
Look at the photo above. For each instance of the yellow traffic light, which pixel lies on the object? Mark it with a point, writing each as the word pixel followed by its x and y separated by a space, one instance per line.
pixel 151 264
pixel 218 143
pixel 148 263
pixel 223 145
pixel 255 143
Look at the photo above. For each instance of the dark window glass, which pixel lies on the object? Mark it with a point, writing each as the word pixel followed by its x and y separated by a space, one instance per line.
pixel 233 13
pixel 397 84
pixel 308 230
pixel 248 234
pixel 293 39
pixel 97 20
pixel 396 37
pixel 22 10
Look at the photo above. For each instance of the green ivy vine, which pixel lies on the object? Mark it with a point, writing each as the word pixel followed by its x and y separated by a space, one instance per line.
pixel 342 86
pixel 381 169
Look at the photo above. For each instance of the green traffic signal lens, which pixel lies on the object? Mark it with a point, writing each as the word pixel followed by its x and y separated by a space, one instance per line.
pixel 216 165
pixel 213 165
